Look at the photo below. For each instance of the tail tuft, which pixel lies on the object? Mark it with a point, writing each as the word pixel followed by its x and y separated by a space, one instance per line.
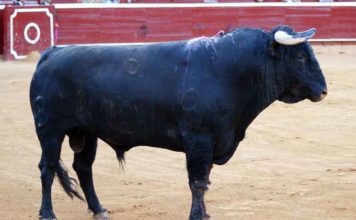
pixel 68 183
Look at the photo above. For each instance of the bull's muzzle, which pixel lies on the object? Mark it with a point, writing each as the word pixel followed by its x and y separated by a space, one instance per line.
pixel 323 94
pixel 321 97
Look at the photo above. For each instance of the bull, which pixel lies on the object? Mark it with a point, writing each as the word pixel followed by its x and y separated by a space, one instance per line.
pixel 196 96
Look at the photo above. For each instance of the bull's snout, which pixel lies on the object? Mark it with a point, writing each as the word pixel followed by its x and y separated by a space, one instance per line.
pixel 321 97
pixel 323 94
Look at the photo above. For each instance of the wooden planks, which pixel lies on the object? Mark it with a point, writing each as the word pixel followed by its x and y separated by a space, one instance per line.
pixel 124 25
pixel 131 23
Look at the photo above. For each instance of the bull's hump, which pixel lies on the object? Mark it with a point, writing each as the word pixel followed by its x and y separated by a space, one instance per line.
pixel 199 42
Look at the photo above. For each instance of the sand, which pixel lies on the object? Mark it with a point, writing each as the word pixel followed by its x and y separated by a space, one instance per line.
pixel 297 161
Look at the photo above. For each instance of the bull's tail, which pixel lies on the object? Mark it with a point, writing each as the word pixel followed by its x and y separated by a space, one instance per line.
pixel 68 183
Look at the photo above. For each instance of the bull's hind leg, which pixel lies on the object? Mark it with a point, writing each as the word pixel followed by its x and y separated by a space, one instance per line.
pixel 51 148
pixel 51 142
pixel 199 155
pixel 82 164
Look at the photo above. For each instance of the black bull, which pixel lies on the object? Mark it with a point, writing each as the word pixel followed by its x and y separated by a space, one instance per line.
pixel 196 97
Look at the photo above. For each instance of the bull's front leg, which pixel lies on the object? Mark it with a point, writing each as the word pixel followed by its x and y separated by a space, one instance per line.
pixel 199 162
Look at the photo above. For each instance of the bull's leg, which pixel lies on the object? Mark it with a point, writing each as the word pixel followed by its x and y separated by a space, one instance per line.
pixel 82 164
pixel 51 148
pixel 199 162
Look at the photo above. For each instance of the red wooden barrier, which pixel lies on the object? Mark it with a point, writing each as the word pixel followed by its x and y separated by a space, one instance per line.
pixel 27 29
pixel 2 30
pixel 95 24
pixel 32 28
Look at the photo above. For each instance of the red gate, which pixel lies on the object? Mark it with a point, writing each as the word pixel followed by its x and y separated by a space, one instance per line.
pixel 27 29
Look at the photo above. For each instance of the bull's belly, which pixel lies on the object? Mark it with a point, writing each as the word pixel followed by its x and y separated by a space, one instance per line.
pixel 130 133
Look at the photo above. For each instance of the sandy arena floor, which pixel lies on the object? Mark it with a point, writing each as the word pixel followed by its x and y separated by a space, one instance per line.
pixel 297 161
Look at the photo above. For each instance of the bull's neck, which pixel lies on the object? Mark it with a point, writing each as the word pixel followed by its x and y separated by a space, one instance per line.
pixel 249 73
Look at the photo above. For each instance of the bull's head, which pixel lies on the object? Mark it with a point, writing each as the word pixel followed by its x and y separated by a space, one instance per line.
pixel 302 77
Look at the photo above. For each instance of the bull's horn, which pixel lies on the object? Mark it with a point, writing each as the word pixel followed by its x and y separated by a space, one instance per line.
pixel 284 38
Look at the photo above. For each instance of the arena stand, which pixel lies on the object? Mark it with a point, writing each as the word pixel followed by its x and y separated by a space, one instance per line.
pixel 35 27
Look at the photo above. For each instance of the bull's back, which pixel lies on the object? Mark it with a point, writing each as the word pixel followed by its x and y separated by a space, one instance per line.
pixel 120 92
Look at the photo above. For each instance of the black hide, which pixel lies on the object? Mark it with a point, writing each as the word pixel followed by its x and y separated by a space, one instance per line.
pixel 196 96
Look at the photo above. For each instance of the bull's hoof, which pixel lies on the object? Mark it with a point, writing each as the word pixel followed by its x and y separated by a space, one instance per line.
pixel 102 216
pixel 47 215
pixel 206 216
pixel 199 215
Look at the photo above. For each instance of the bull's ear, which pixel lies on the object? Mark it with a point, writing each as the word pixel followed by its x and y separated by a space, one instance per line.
pixel 275 49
